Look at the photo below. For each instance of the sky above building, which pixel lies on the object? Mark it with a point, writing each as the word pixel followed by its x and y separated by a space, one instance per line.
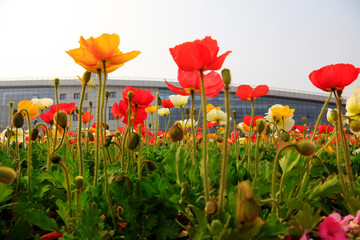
pixel 278 42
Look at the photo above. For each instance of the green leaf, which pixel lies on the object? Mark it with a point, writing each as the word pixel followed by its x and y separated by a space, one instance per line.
pixel 41 220
pixel 329 188
pixel 5 191
pixel 306 218
pixel 21 230
pixel 91 224
pixel 64 211
pixel 272 228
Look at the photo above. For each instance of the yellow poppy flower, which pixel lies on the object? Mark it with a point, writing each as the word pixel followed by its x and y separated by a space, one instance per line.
pixel 94 51
pixel 30 107
pixel 210 107
pixel 151 109
pixel 282 112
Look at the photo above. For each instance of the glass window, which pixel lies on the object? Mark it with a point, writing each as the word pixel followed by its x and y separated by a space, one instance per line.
pixel 75 117
pixel 63 96
pixel 110 114
pixel 112 95
pixel 76 95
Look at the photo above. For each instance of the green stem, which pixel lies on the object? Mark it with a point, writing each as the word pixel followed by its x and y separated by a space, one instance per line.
pixel 250 136
pixel 320 115
pixel 192 117
pixel 97 142
pixel 345 146
pixel 81 160
pixel 276 163
pixel 338 159
pixel 225 158
pixel 257 170
pixel 204 152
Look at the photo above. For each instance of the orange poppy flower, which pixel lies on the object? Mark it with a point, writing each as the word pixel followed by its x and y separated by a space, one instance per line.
pixel 94 51
pixel 30 107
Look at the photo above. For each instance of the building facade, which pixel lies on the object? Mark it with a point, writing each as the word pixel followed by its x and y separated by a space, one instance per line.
pixel 306 104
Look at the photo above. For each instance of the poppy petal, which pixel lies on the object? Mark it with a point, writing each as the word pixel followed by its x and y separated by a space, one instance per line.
pixel 244 92
pixel 176 89
pixel 260 91
pixel 123 57
pixel 218 62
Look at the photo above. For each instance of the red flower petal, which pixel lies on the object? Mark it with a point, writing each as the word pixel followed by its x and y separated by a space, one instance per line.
pixel 176 89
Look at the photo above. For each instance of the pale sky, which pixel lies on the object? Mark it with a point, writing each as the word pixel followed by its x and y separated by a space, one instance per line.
pixel 277 43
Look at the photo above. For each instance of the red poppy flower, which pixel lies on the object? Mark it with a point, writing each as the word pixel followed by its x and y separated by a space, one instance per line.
pixel 48 116
pixel 300 128
pixel 199 54
pixel 211 124
pixel 140 116
pixel 51 236
pixel 334 77
pixel 141 97
pixel 86 117
pixel 234 135
pixel 247 119
pixel 167 104
pixel 116 111
pixel 67 107
pixel 145 132
pixel 247 93
pixel 190 80
pixel 325 128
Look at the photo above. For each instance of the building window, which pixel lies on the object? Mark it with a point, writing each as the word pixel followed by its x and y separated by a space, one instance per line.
pixel 75 117
pixel 76 95
pixel 111 117
pixel 112 95
pixel 63 96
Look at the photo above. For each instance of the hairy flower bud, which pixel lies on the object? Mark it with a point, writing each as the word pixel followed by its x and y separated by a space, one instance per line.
pixel 234 115
pixel 285 136
pixel 107 93
pixel 61 119
pixel 90 103
pixel 91 136
pixel 79 182
pixel 244 191
pixel 121 179
pixel 211 207
pixel 226 76
pixel 248 210
pixel 86 76
pixel 18 120
pixel 34 134
pixel 158 101
pixel 11 104
pixel 151 166
pixel 133 141
pixel 176 132
pixel 7 175
pixel 130 95
pixel 267 130
pixel 55 158
pixel 260 125
pixel 56 82
pixel 316 161
pixel 305 147
pixel 303 120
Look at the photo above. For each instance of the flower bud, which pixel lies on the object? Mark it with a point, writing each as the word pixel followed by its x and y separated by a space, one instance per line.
pixel 56 82
pixel 234 115
pixel 11 104
pixel 7 175
pixel 316 161
pixel 267 130
pixel 187 112
pixel 90 103
pixel 151 166
pixel 79 182
pixel 225 73
pixel 303 120
pixel 91 136
pixel 176 132
pixel 158 101
pixel 194 111
pixel 107 93
pixel 285 136
pixel 61 119
pixel 211 207
pixel 219 139
pixel 34 134
pixel 332 115
pixel 354 125
pixel 55 158
pixel 248 210
pixel 260 125
pixel 86 76
pixel 133 141
pixel 305 147
pixel 121 179
pixel 18 120
pixel 130 95
pixel 244 191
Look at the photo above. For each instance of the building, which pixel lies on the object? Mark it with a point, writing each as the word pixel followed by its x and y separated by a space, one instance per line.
pixel 306 104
